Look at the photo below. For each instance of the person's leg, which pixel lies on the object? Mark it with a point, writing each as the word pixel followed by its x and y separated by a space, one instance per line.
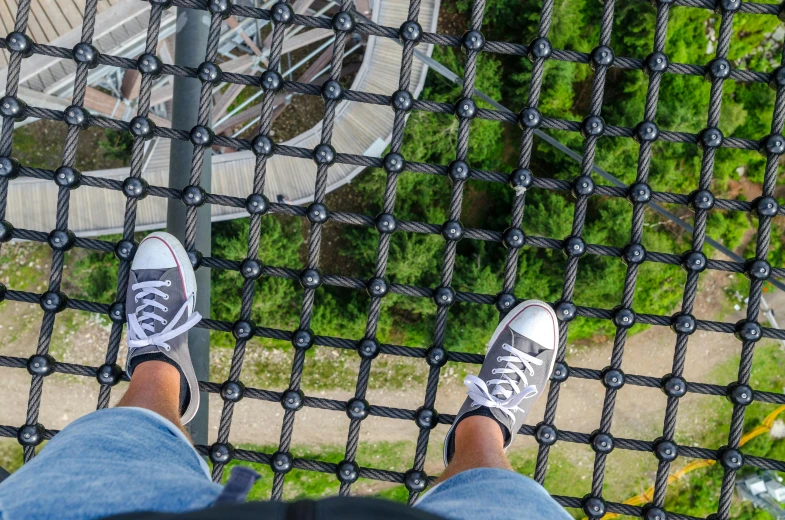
pixel 479 443
pixel 124 459
pixel 478 481
pixel 109 462
pixel 135 457
pixel 155 386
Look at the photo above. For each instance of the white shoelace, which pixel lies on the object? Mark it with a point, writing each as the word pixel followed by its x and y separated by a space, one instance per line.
pixel 139 326
pixel 505 399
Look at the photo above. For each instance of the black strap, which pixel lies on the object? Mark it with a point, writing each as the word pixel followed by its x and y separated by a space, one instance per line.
pixel 335 508
pixel 237 486
pixel 301 510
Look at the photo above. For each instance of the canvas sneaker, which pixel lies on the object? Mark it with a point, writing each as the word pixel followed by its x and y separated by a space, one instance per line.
pixel 160 306
pixel 518 364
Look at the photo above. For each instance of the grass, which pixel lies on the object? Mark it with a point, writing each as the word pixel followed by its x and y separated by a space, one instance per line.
pixel 268 364
pixel 696 494
pixel 40 145
pixel 22 266
pixel 10 455
pixel 309 484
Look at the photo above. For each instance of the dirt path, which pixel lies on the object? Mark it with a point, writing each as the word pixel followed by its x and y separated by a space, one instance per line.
pixel 639 411
pixel 649 353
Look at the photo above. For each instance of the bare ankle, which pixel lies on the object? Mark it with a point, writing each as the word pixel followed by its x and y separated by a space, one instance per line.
pixel 155 386
pixel 479 443
pixel 161 371
pixel 478 430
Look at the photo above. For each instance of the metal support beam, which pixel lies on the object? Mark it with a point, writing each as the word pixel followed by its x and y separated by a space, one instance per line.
pixel 190 45
pixel 233 23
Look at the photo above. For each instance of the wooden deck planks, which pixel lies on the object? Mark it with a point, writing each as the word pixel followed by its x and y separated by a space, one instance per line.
pixel 42 22
pixel 49 19
pixel 8 13
pixel 72 12
pixel 56 16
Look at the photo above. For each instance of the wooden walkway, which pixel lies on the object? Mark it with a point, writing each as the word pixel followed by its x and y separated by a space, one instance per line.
pixel 59 23
pixel 49 19
pixel 359 129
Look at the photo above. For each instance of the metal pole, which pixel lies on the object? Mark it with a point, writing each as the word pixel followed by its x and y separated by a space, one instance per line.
pixel 190 45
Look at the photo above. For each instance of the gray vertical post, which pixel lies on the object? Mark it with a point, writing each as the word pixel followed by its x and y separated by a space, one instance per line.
pixel 190 45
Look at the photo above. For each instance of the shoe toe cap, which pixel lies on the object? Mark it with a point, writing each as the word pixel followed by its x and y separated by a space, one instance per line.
pixel 537 321
pixel 155 252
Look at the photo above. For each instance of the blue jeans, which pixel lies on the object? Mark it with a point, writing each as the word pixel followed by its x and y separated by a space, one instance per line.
pixel 123 460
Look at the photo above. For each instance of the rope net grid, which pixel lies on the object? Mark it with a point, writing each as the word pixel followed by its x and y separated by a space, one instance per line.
pixel 346 22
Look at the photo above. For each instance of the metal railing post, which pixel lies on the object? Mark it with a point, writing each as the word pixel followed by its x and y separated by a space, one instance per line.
pixel 190 45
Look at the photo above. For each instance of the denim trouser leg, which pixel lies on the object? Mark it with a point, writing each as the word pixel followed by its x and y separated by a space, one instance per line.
pixel 491 494
pixel 109 462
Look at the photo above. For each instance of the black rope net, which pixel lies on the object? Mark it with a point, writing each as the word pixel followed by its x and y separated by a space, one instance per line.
pixel 346 22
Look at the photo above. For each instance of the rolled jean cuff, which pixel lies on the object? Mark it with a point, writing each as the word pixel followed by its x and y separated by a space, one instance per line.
pixel 491 494
pixel 169 425
pixel 119 460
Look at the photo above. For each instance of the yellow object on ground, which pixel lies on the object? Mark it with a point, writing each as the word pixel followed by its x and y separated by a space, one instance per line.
pixel 646 496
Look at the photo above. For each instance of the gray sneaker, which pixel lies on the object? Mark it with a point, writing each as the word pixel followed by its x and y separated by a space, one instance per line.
pixel 160 306
pixel 518 364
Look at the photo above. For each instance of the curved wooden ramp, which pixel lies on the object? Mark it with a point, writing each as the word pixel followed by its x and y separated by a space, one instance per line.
pixel 46 81
pixel 360 128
